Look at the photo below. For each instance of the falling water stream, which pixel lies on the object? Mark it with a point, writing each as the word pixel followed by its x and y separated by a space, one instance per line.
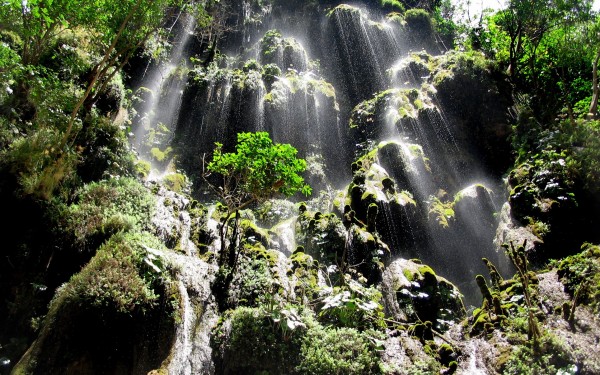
pixel 320 69
pixel 163 85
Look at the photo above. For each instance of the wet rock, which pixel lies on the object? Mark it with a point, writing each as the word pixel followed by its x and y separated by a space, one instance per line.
pixel 413 292
pixel 478 101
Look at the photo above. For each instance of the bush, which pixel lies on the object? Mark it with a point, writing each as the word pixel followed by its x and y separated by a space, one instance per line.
pixel 419 20
pixel 121 277
pixel 392 5
pixel 338 351
pixel 33 160
pixel 105 150
pixel 105 208
pixel 254 344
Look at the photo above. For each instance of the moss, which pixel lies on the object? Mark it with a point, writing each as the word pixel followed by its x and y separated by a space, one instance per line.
pixel 160 155
pixel 254 344
pixel 420 20
pixel 392 5
pixel 121 276
pixel 99 207
pixel 252 233
pixel 251 65
pixel 142 168
pixel 270 72
pixel 176 182
pixel 338 351
pixel 580 274
pixel 343 8
pixel 424 269
pixel 258 251
pixel 442 212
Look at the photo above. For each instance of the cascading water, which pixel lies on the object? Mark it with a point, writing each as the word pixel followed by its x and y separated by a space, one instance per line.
pixel 161 90
pixel 303 80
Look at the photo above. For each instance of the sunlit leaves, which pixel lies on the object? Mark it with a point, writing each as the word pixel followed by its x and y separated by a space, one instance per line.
pixel 258 169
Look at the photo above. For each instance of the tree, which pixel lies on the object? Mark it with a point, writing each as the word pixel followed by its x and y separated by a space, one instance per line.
pixel 527 22
pixel 118 28
pixel 593 34
pixel 256 171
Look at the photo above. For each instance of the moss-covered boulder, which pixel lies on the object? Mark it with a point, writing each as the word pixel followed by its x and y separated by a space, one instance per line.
pixel 390 114
pixel 543 200
pixel 580 275
pixel 398 216
pixel 412 70
pixel 286 53
pixel 288 339
pixel 412 292
pixel 116 315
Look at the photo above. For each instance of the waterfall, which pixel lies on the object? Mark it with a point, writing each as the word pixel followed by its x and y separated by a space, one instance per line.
pixel 162 91
pixel 368 104
pixel 191 352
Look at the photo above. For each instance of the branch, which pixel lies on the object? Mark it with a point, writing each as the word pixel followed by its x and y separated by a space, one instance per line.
pixel 97 75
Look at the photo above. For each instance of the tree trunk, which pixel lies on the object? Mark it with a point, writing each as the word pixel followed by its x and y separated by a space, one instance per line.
pixel 595 89
pixel 233 244
pixel 96 76
pixel 222 234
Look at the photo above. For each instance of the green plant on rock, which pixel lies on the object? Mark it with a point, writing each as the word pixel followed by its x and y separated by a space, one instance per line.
pixel 253 340
pixel 123 275
pixel 339 351
pixel 354 306
pixel 103 209
pixel 550 358
pixel 519 259
pixel 443 212
pixel 270 43
pixel 256 171
pixel 580 274
pixel 176 181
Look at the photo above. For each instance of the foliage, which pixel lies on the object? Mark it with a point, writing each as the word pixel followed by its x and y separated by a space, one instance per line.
pixel 122 275
pixel 392 5
pixel 255 282
pixel 551 358
pixel 419 20
pixel 353 306
pixel 254 341
pixel 580 274
pixel 338 351
pixel 176 182
pixel 287 339
pixel 545 49
pixel 442 212
pixel 106 154
pixel 270 43
pixel 27 158
pixel 47 31
pixel 105 208
pixel 258 170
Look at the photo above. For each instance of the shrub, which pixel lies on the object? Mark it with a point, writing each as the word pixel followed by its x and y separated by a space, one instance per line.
pixel 419 20
pixel 338 351
pixel 254 343
pixel 105 208
pixel 121 276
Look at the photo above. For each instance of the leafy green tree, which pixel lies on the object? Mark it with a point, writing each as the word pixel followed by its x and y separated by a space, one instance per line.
pixel 118 28
pixel 258 170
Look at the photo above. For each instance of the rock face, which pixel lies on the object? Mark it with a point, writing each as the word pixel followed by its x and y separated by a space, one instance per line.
pixel 322 286
pixel 413 292
pixel 477 101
